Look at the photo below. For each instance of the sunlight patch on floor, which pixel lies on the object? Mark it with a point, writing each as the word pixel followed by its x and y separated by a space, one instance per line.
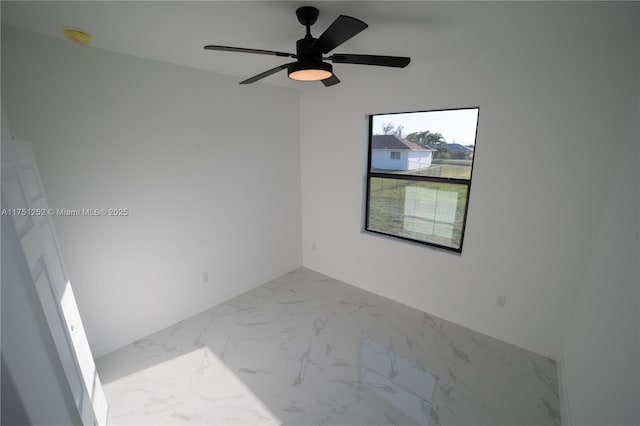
pixel 196 388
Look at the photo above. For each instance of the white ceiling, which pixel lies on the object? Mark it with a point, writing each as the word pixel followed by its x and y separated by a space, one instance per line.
pixel 176 31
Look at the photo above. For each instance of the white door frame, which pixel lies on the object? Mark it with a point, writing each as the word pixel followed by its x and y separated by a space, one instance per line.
pixel 23 199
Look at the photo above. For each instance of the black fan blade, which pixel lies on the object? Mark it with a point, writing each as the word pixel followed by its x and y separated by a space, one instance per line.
pixel 244 50
pixel 331 81
pixel 265 74
pixel 383 61
pixel 341 30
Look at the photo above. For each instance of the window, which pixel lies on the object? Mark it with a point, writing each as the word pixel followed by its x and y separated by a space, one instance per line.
pixel 424 199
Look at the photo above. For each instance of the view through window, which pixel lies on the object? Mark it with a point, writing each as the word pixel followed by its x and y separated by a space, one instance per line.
pixel 419 175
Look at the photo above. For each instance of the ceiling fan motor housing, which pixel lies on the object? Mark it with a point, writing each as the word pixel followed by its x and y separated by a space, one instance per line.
pixel 305 50
pixel 308 57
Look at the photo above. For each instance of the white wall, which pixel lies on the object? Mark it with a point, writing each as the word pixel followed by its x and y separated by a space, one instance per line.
pixel 600 351
pixel 409 160
pixel 163 141
pixel 600 348
pixel 382 160
pixel 554 115
pixel 419 159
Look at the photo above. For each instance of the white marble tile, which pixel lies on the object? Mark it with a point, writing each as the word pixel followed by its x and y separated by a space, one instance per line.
pixel 306 349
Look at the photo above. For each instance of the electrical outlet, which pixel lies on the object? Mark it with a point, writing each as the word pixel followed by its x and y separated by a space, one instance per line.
pixel 205 277
pixel 501 301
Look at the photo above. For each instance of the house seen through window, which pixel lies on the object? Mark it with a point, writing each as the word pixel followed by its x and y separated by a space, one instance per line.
pixel 419 175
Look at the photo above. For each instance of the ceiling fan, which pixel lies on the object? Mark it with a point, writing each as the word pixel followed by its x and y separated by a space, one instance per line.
pixel 309 64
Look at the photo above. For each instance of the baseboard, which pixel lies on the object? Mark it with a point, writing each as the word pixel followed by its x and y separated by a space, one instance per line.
pixel 110 345
pixel 565 411
pixel 123 339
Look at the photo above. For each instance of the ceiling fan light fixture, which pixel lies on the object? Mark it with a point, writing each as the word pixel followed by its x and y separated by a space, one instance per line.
pixel 310 72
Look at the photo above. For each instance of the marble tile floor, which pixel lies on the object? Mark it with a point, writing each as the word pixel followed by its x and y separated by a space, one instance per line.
pixel 306 349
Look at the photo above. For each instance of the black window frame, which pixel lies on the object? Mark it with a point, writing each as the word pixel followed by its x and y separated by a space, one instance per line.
pixel 455 181
pixel 395 155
